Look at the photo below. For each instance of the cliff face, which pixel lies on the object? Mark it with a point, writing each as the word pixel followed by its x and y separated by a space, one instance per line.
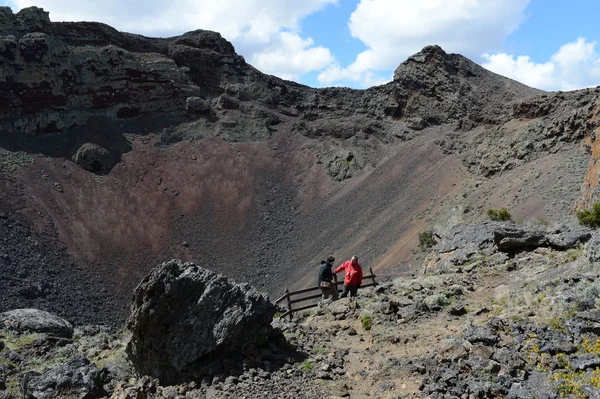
pixel 134 150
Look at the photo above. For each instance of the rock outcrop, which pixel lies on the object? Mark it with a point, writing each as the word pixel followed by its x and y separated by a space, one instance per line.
pixel 184 316
pixel 467 246
pixel 77 378
pixel 35 321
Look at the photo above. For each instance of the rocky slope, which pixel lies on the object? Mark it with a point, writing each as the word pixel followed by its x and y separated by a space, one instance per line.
pixel 511 313
pixel 119 151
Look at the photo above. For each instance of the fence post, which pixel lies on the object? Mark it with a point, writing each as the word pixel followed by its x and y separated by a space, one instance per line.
pixel 287 298
pixel 372 276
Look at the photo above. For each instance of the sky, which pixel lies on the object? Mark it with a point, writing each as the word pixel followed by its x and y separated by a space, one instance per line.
pixel 547 44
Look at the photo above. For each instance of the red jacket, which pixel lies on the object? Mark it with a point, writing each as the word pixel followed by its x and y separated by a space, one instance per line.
pixel 353 274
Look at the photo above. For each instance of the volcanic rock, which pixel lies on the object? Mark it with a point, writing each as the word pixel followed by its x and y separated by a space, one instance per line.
pixel 513 238
pixel 570 238
pixel 183 314
pixel 77 378
pixel 468 238
pixel 94 158
pixel 37 321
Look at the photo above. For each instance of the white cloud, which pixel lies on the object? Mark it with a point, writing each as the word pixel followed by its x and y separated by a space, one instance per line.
pixel 394 29
pixel 266 31
pixel 575 65
pixel 291 53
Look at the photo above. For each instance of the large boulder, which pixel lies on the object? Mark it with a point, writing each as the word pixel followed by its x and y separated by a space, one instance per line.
pixel 35 321
pixel 469 238
pixel 184 316
pixel 569 238
pixel 94 158
pixel 77 378
pixel 516 238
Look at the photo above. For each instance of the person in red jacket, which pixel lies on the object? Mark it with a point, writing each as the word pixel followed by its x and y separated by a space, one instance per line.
pixel 353 276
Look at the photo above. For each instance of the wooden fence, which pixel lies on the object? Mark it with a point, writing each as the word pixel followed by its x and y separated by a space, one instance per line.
pixel 291 297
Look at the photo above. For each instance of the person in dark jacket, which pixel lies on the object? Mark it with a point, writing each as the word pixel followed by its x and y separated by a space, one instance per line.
pixel 327 281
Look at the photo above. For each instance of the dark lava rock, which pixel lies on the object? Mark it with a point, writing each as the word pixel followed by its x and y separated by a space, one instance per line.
pixel 94 158
pixel 457 310
pixel 558 345
pixel 589 315
pixel 78 378
pixel 34 320
pixel 481 334
pixel 569 239
pixel 197 105
pixel 585 361
pixel 510 360
pixel 479 357
pixel 536 386
pixel 469 237
pixel 513 238
pixel 183 314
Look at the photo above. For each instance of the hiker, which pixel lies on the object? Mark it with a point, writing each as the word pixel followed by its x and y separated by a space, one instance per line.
pixel 353 276
pixel 327 280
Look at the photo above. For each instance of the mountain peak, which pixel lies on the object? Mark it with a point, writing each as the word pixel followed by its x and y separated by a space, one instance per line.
pixel 432 60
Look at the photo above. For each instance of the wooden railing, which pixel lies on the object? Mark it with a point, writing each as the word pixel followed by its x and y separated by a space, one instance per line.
pixel 291 297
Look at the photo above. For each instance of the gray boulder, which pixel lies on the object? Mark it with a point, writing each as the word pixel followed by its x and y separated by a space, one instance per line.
pixel 584 361
pixel 197 105
pixel 76 379
pixel 515 238
pixel 94 158
pixel 184 316
pixel 470 238
pixel 536 386
pixel 36 321
pixel 481 334
pixel 569 239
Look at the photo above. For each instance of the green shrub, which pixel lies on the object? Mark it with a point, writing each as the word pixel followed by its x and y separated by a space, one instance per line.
pixel 427 239
pixel 573 254
pixel 367 322
pixel 306 367
pixel 319 350
pixel 543 221
pixel 590 218
pixel 499 214
pixel 587 295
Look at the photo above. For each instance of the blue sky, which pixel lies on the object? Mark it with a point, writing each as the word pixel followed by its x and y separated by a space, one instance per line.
pixel 549 44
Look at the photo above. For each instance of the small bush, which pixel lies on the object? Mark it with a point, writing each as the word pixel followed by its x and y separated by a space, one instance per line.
pixel 427 239
pixel 590 218
pixel 573 254
pixel 367 322
pixel 587 295
pixel 319 350
pixel 499 214
pixel 543 221
pixel 306 367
